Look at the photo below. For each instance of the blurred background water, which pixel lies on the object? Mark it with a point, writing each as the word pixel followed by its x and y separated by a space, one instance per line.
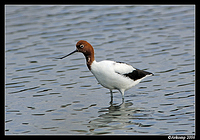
pixel 44 95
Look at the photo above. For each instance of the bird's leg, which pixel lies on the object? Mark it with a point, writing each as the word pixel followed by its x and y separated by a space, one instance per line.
pixel 122 92
pixel 111 97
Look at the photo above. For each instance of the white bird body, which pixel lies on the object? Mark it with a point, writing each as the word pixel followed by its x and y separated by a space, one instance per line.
pixel 110 74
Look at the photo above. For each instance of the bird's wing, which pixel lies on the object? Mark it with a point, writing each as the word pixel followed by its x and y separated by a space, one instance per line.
pixel 130 72
pixel 123 68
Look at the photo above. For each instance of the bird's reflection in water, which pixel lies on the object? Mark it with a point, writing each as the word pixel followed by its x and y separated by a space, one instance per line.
pixel 111 117
pixel 114 107
pixel 124 117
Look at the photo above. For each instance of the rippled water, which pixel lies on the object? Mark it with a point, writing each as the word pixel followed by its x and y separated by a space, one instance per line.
pixel 44 95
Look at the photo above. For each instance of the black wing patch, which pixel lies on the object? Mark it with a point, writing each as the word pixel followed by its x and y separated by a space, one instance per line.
pixel 137 74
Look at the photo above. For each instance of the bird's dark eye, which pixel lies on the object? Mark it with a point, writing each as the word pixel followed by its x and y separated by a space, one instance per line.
pixel 81 46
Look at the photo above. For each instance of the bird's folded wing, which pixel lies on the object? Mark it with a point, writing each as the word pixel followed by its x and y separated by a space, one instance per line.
pixel 130 72
pixel 123 68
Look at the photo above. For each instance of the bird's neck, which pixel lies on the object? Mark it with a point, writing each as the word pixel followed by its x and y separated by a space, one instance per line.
pixel 89 60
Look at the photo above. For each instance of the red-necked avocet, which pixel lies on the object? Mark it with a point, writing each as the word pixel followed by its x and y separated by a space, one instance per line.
pixel 110 74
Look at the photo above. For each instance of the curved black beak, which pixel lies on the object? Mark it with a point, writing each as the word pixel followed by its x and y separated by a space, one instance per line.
pixel 67 55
